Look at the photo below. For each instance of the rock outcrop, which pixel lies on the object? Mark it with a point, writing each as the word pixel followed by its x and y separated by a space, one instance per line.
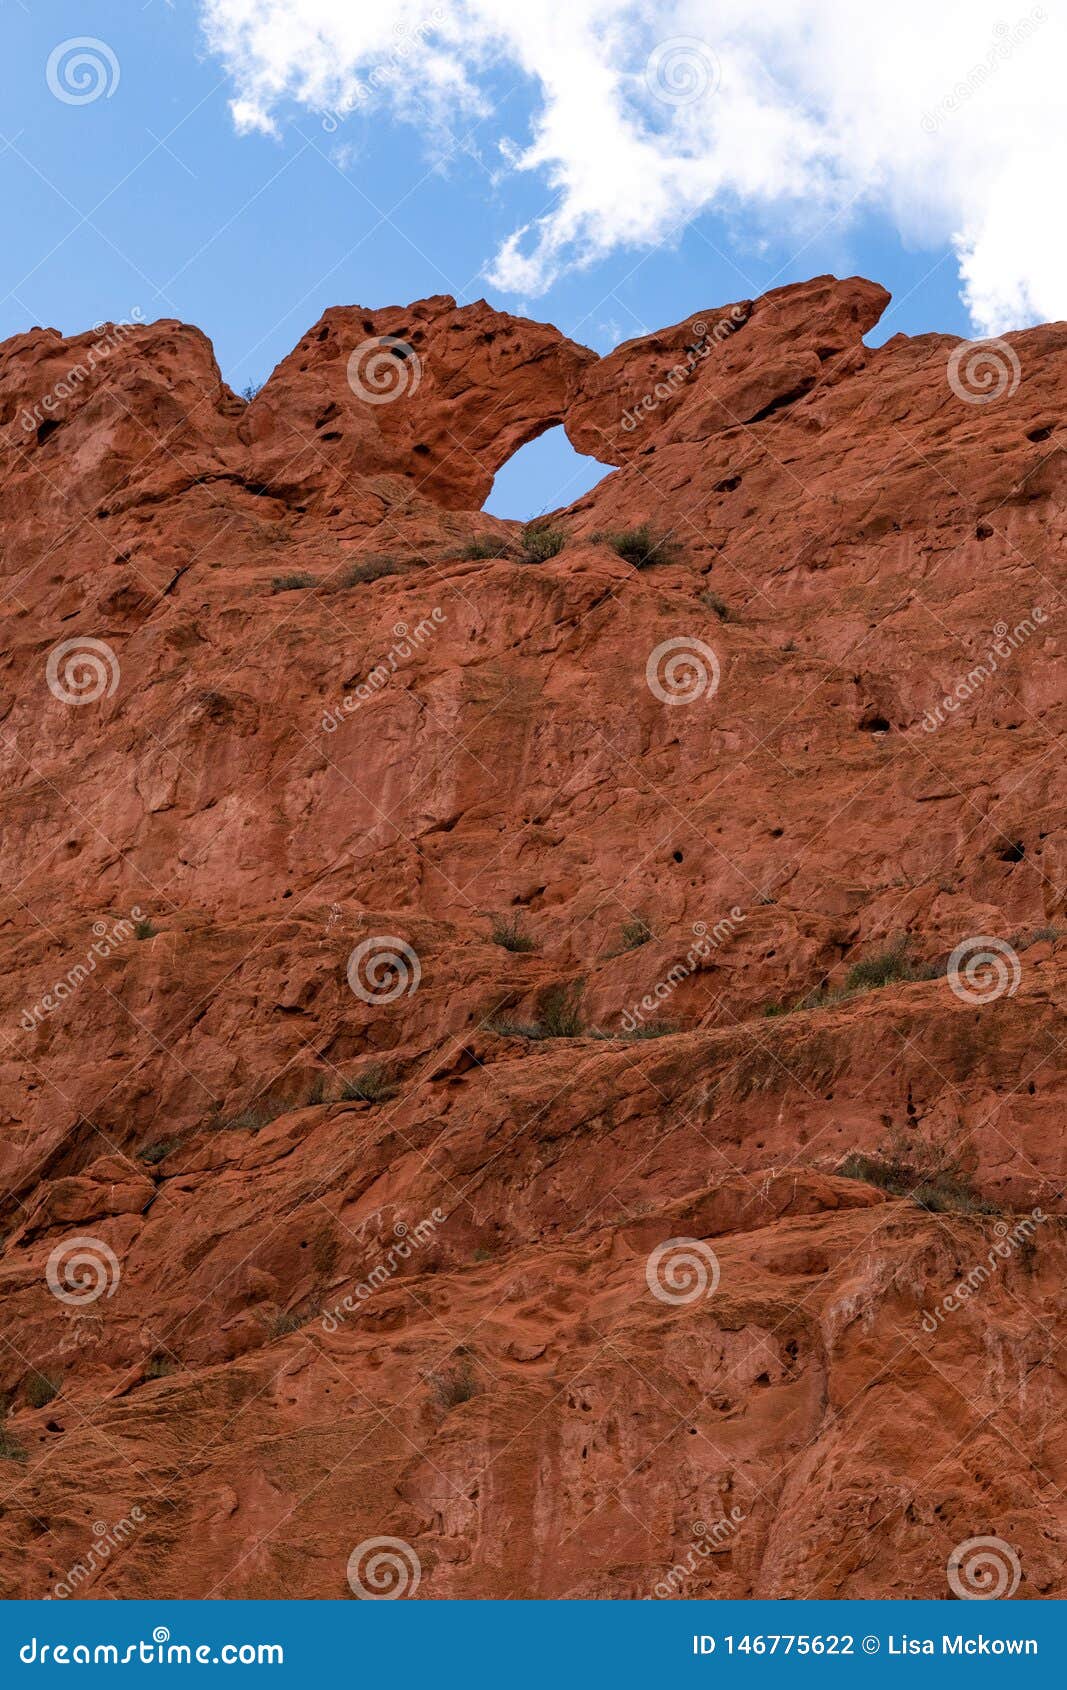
pixel 554 1060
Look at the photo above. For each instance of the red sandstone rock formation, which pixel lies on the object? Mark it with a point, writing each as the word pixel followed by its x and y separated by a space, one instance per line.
pixel 385 1258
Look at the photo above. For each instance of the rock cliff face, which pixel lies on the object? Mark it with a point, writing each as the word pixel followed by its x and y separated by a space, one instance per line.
pixel 711 1245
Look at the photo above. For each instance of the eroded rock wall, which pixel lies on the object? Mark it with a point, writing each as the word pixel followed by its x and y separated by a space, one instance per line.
pixel 261 715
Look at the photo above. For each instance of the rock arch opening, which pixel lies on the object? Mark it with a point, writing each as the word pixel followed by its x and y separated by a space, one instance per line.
pixel 542 476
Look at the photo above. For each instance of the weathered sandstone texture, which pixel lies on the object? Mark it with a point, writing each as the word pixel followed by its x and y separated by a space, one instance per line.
pixel 266 723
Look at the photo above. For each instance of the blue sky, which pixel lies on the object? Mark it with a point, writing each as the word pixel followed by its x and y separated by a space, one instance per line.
pixel 148 199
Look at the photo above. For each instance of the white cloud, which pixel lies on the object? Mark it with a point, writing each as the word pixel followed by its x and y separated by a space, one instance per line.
pixel 946 115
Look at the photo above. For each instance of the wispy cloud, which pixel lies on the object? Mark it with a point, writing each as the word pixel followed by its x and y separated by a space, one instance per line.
pixel 947 118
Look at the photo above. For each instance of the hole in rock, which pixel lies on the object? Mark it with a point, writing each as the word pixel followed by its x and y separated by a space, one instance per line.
pixel 542 476
pixel 1013 853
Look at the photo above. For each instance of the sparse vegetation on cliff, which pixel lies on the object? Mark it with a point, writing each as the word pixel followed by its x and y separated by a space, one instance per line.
pixel 914 1167
pixel 508 932
pixel 540 544
pixel 41 1389
pixel 371 569
pixel 298 581
pixel 642 546
pixel 374 1085
pixel 454 1386
pixel 559 1016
